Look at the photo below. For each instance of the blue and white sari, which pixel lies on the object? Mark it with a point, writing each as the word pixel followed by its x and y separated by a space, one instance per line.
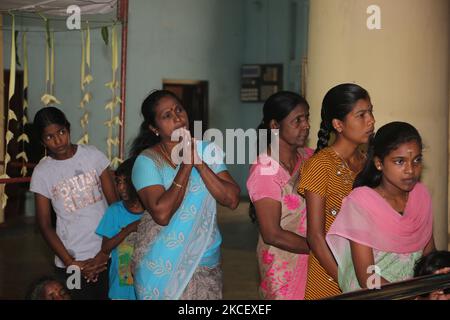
pixel 190 240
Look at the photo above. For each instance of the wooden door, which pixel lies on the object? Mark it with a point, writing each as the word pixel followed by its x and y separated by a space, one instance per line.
pixel 194 97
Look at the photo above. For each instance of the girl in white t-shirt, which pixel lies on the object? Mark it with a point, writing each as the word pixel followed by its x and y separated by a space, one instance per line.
pixel 75 181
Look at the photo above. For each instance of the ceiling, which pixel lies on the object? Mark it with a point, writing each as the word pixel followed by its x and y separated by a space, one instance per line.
pixel 58 7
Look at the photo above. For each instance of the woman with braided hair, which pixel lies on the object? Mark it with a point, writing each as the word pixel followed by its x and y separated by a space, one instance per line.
pixel 328 176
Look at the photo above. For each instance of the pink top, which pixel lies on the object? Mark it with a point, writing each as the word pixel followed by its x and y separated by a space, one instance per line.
pixel 262 183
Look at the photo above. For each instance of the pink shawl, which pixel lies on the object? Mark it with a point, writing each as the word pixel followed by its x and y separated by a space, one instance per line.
pixel 368 219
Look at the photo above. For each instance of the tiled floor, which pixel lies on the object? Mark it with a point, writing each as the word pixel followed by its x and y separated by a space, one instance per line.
pixel 24 256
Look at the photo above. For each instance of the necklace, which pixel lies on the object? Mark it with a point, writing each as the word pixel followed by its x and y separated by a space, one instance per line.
pixel 343 160
pixel 344 171
pixel 162 147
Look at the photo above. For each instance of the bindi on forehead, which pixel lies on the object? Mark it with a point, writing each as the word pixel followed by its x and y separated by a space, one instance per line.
pixel 169 107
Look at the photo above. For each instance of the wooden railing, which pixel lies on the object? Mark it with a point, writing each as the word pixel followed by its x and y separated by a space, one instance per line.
pixel 16 164
pixel 404 290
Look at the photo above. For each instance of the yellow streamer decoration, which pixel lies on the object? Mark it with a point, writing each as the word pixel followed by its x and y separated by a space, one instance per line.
pixel 83 57
pixel 116 162
pixel 8 137
pixel 85 79
pixel 22 155
pixel 4 200
pixel 114 121
pixel 47 65
pixel 48 98
pixel 24 137
pixel 88 46
pixel 12 73
pixel 52 63
pixel 11 115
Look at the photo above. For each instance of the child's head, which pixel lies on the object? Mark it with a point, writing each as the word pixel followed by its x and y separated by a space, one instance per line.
pixel 288 112
pixel 155 121
pixel 48 288
pixel 124 185
pixel 395 153
pixel 346 110
pixel 53 129
pixel 432 262
pixel 48 116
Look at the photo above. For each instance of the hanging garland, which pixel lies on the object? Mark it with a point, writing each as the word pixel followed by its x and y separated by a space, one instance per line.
pixel 113 140
pixel 86 78
pixel 48 98
pixel 24 137
pixel 11 115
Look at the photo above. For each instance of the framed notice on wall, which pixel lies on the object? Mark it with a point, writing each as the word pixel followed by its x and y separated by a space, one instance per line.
pixel 260 81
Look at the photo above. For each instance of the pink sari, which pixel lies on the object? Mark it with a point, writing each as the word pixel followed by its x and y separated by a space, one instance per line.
pixel 283 274
pixel 368 219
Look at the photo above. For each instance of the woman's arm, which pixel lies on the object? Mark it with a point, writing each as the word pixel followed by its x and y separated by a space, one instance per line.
pixel 268 212
pixel 43 215
pixel 108 186
pixel 221 186
pixel 364 263
pixel 161 203
pixel 316 233
pixel 430 247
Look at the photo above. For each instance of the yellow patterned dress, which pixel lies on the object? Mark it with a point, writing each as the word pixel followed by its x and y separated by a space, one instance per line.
pixel 327 175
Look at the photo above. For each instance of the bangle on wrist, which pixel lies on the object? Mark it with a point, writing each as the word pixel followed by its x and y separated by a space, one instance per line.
pixel 177 184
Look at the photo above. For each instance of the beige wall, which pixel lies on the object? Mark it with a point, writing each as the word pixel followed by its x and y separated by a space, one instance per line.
pixel 404 66
pixel 448 197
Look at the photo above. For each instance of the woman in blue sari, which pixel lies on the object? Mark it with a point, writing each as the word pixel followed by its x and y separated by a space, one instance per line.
pixel 179 180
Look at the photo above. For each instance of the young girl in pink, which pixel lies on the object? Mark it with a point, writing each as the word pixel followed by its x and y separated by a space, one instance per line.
pixel 385 223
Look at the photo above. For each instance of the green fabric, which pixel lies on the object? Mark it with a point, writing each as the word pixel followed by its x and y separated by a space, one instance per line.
pixel 393 267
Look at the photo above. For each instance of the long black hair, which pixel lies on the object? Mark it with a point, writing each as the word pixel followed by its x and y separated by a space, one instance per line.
pixel 146 138
pixel 277 107
pixel 389 137
pixel 48 116
pixel 337 103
